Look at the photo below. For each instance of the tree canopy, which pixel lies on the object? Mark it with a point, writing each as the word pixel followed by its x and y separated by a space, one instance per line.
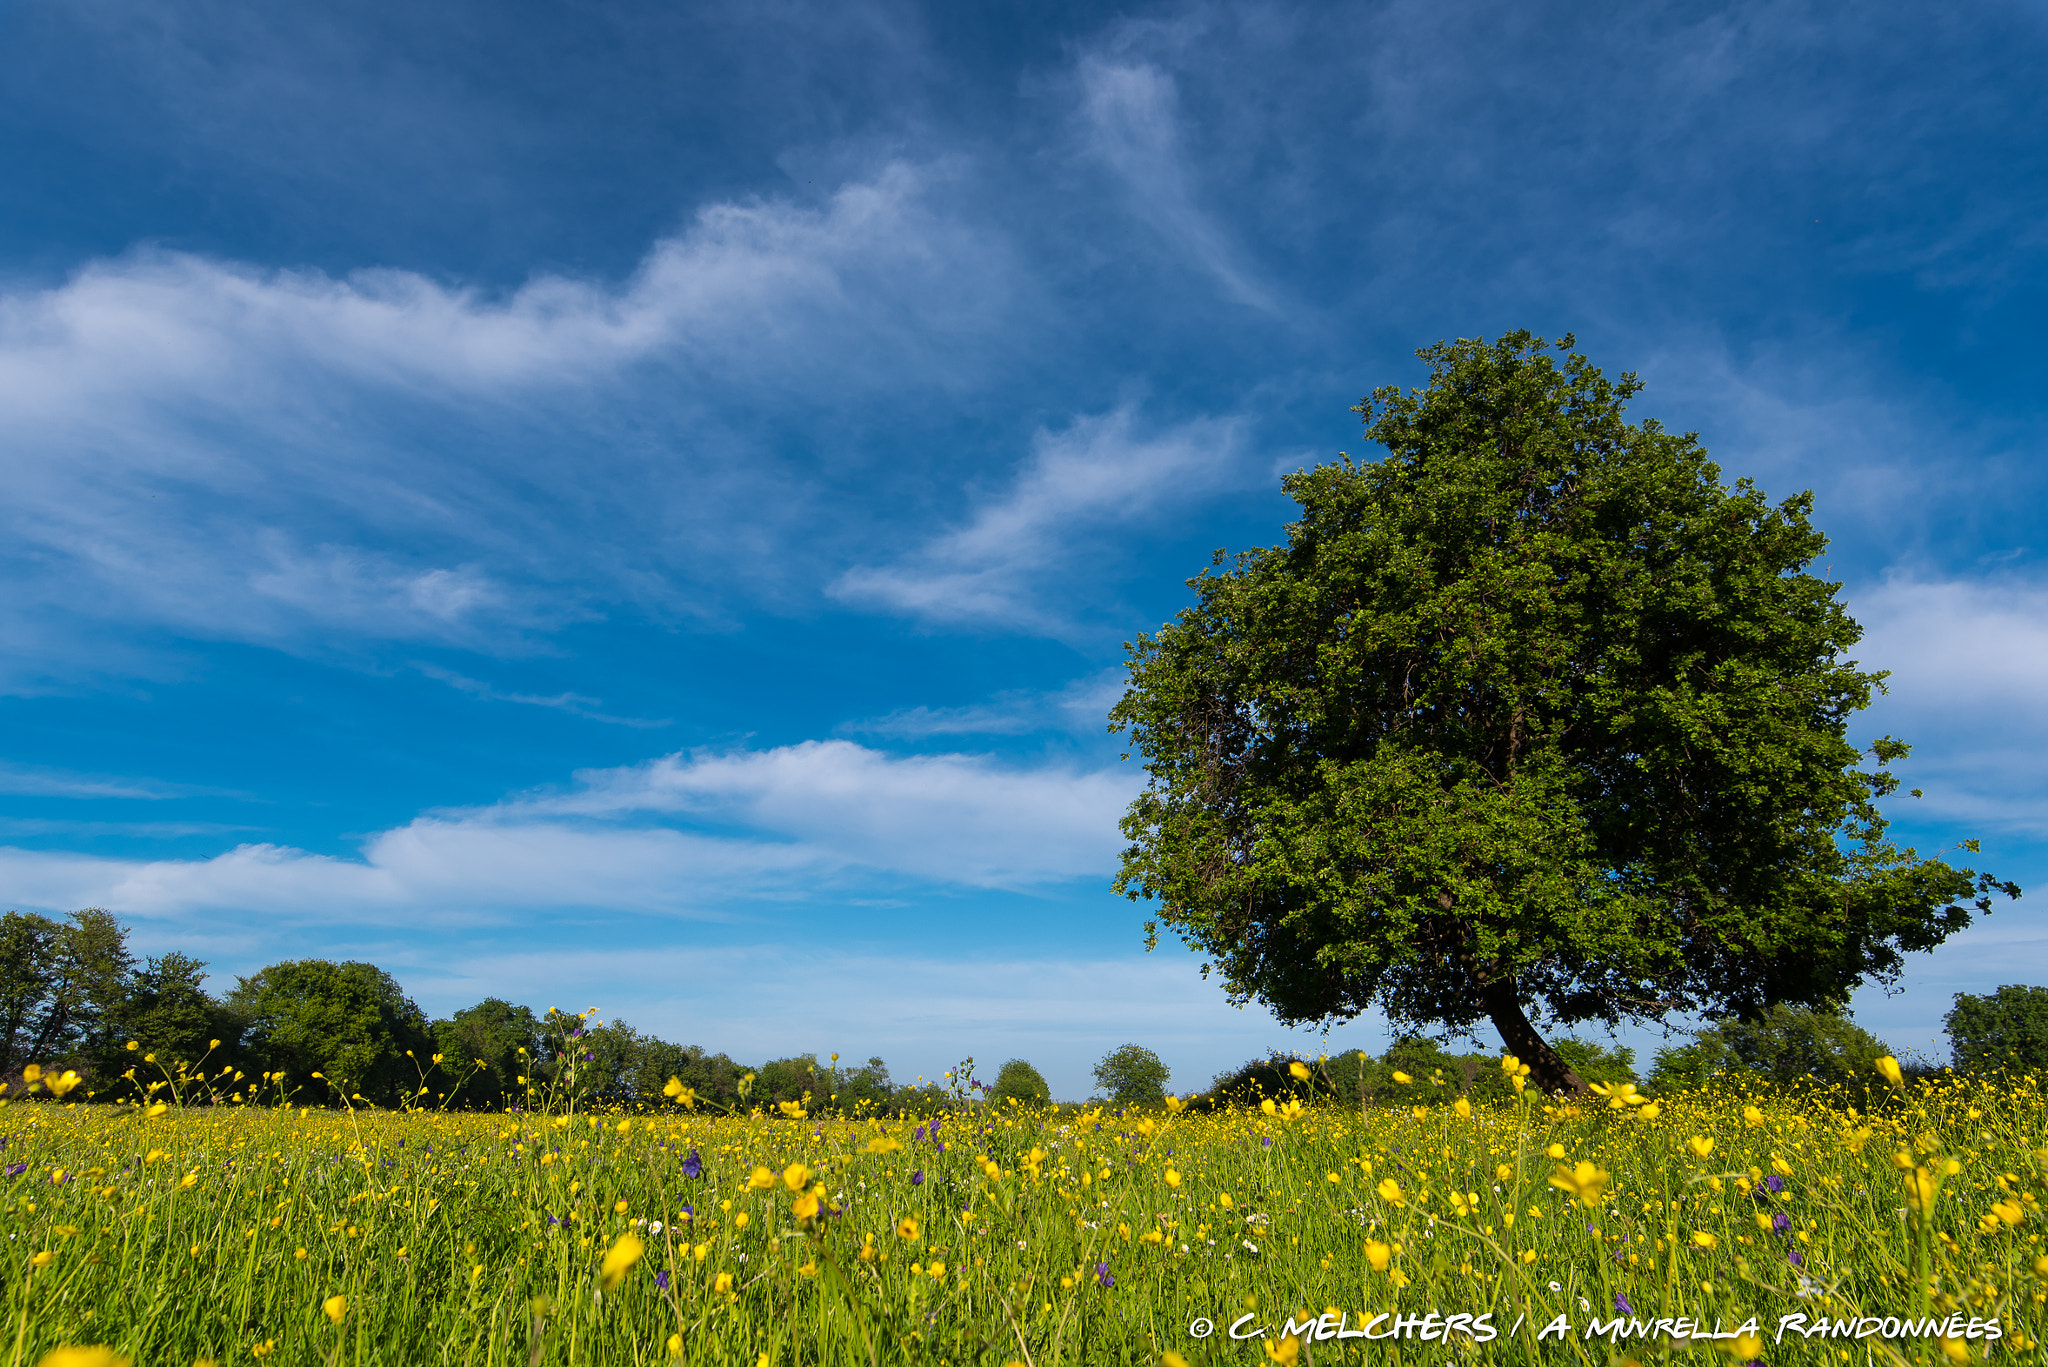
pixel 1532 719
pixel 1132 1075
pixel 348 1022
pixel 2004 1029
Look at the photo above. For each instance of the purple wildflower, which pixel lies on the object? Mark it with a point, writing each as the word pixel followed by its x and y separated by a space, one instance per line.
pixel 693 1166
pixel 1780 1223
pixel 661 1279
pixel 1793 1254
pixel 1102 1277
pixel 1775 1183
pixel 917 1178
pixel 1621 1305
pixel 16 1169
pixel 918 1133
pixel 688 1213
pixel 1265 1141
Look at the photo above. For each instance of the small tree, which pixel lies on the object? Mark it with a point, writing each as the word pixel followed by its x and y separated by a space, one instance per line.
pixel 1023 1082
pixel 1532 717
pixel 1132 1075
pixel 2008 1029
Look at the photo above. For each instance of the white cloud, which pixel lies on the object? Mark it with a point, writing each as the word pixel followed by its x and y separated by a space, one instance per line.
pixel 1131 110
pixel 290 458
pixel 742 827
pixel 1098 473
pixel 1967 659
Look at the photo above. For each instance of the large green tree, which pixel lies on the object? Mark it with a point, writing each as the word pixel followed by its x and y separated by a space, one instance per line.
pixel 1532 720
pixel 348 1022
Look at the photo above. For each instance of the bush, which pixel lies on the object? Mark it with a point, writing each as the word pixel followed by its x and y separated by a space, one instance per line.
pixel 1023 1082
pixel 2008 1029
pixel 1132 1075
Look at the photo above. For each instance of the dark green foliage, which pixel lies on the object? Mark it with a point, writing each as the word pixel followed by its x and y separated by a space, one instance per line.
pixel 1024 1083
pixel 1598 1063
pixel 1436 1075
pixel 503 1038
pixel 2008 1029
pixel 790 1079
pixel 864 1090
pixel 167 1010
pixel 28 970
pixel 347 1021
pixel 1786 1045
pixel 62 987
pixel 1132 1075
pixel 1531 715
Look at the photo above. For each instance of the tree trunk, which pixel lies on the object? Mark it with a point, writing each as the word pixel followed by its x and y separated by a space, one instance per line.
pixel 1547 1070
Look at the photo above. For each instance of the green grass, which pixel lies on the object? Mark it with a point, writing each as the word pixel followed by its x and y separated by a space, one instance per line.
pixel 218 1233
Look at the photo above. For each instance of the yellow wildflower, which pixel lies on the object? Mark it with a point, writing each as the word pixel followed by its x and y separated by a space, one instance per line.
pixel 1889 1067
pixel 335 1308
pixel 625 1252
pixel 1700 1145
pixel 1287 1352
pixel 1299 1070
pixel 1377 1254
pixel 795 1176
pixel 1402 1077
pixel 1583 1181
pixel 906 1228
pixel 761 1179
pixel 1390 1192
pixel 722 1283
pixel 98 1355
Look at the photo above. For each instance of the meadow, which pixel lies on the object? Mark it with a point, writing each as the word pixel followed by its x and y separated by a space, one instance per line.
pixel 994 1234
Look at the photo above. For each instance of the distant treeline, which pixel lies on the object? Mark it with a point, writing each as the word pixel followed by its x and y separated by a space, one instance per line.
pixel 73 996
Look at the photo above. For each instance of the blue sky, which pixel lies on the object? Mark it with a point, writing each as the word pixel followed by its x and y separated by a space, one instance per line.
pixel 639 505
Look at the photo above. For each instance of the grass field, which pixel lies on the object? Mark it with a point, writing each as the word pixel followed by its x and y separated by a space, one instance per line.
pixel 239 1233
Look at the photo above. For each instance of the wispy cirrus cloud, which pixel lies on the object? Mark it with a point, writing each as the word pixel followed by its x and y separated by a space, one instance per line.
pixel 290 458
pixel 1082 707
pixel 1130 109
pixel 1100 474
pixel 33 781
pixel 575 704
